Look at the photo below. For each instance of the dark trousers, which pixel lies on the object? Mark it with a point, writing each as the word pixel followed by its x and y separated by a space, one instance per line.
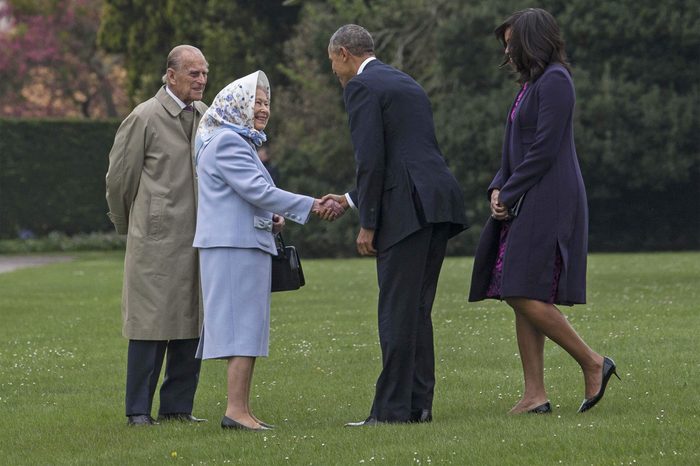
pixel 408 273
pixel 144 361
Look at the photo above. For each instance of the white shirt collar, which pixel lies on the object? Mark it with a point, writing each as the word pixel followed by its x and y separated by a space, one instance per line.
pixel 170 93
pixel 364 63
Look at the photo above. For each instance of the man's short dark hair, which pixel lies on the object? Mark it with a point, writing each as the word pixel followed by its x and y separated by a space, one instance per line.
pixel 354 38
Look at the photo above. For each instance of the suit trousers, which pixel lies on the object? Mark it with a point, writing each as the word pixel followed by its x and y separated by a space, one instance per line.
pixel 144 362
pixel 408 274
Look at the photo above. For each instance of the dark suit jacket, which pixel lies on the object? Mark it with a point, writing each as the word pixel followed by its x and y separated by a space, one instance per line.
pixel 403 182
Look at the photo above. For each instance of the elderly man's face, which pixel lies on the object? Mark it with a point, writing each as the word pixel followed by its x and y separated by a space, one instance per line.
pixel 341 65
pixel 188 82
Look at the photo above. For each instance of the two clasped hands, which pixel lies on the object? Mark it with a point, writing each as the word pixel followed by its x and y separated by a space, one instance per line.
pixel 499 211
pixel 331 207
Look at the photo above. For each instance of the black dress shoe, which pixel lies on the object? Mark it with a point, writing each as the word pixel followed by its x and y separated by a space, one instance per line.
pixel 609 368
pixel 544 408
pixel 228 423
pixel 424 415
pixel 140 420
pixel 182 417
pixel 370 421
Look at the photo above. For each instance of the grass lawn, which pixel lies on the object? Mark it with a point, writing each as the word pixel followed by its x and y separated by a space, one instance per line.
pixel 62 366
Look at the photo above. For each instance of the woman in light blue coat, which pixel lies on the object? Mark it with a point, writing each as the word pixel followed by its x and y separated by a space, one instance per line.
pixel 239 211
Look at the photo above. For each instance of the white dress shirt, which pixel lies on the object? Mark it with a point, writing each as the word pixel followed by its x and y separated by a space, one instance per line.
pixel 175 98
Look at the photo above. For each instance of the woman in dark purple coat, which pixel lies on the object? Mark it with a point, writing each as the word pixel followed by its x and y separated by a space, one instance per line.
pixel 532 251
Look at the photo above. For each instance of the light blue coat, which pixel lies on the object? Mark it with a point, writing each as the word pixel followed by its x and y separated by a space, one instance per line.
pixel 237 197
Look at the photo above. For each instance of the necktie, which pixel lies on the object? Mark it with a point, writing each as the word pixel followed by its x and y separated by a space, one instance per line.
pixel 187 120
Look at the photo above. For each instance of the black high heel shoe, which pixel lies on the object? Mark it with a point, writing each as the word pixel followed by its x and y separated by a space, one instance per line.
pixel 609 368
pixel 228 423
pixel 545 408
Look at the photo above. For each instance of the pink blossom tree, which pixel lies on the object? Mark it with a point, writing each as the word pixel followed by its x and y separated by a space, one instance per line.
pixel 50 65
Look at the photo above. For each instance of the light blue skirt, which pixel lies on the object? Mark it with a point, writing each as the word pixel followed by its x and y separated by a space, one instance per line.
pixel 236 294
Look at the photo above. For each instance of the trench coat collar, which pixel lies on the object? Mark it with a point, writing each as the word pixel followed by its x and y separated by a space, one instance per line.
pixel 172 107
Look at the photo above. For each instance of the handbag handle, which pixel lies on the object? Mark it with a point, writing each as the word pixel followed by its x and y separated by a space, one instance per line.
pixel 279 242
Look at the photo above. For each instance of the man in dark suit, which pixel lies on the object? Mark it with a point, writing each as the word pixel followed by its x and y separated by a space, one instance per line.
pixel 409 204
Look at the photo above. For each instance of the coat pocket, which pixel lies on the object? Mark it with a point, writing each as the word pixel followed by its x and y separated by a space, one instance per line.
pixel 155 217
pixel 262 223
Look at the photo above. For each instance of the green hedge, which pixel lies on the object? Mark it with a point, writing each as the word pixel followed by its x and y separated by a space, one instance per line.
pixel 57 241
pixel 52 180
pixel 52 176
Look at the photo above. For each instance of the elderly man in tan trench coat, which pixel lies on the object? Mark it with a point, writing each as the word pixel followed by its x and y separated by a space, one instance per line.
pixel 151 193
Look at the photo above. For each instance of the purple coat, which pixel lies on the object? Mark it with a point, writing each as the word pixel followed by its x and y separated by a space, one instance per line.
pixel 539 161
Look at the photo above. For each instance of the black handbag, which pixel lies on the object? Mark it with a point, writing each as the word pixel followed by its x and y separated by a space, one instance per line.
pixel 287 273
pixel 514 211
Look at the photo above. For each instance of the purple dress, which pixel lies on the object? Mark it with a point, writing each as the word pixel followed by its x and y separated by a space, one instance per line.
pixel 494 290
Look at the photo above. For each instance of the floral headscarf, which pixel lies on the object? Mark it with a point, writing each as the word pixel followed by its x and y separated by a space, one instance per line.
pixel 233 108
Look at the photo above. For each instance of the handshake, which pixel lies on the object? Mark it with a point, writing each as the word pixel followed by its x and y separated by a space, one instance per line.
pixel 330 207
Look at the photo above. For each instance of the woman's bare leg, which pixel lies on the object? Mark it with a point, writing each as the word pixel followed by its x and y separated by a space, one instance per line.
pixel 240 375
pixel 546 318
pixel 247 396
pixel 531 347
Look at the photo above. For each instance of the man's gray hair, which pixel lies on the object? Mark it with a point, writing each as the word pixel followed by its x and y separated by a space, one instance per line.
pixel 176 57
pixel 354 38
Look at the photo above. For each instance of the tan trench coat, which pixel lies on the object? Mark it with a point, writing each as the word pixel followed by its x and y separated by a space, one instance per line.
pixel 151 193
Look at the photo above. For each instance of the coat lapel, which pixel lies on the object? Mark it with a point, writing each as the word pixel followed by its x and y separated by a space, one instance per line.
pixel 168 103
pixel 174 111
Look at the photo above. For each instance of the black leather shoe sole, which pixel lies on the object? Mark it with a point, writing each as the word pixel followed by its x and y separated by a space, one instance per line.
pixel 180 417
pixel 140 420
pixel 370 421
pixel 425 415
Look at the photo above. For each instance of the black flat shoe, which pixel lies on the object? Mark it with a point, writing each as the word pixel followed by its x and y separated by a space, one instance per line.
pixel 228 423
pixel 545 408
pixel 140 420
pixel 609 368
